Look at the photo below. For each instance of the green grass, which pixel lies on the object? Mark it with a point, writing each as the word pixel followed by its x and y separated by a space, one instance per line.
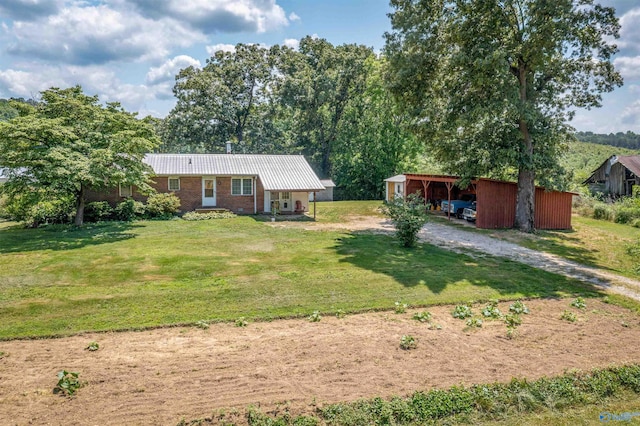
pixel 341 211
pixel 116 276
pixel 591 242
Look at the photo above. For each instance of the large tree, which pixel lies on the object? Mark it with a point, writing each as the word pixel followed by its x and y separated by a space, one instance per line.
pixel 492 84
pixel 69 143
pixel 220 101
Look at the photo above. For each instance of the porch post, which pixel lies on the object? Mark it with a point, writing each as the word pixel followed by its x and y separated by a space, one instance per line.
pixel 314 205
pixel 449 185
pixel 255 195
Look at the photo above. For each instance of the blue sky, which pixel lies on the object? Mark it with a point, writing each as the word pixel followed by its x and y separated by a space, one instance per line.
pixel 130 50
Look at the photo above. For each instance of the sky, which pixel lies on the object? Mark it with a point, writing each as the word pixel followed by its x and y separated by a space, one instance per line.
pixel 129 51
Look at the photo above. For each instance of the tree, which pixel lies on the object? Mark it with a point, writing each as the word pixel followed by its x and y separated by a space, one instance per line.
pixel 491 84
pixel 320 80
pixel 69 143
pixel 220 101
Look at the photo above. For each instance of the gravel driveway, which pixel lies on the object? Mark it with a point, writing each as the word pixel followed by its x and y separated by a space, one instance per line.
pixel 462 241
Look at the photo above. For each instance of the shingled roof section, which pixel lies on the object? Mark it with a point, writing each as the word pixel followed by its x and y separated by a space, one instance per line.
pixel 276 172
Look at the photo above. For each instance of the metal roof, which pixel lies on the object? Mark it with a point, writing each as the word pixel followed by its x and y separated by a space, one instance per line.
pixel 396 178
pixel 631 162
pixel 327 183
pixel 276 172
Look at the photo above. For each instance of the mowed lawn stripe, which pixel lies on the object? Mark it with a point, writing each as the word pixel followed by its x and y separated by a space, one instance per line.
pixel 116 276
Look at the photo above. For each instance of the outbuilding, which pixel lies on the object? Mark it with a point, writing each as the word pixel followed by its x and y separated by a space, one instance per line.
pixel 616 176
pixel 496 200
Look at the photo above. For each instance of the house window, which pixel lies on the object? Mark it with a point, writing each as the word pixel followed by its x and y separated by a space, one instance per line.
pixel 242 186
pixel 174 184
pixel 125 190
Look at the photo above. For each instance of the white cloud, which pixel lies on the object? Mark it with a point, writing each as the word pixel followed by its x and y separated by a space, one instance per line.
pixel 215 16
pixel 631 115
pixel 293 17
pixel 292 43
pixel 211 50
pixel 628 66
pixel 630 31
pixel 168 70
pixel 97 35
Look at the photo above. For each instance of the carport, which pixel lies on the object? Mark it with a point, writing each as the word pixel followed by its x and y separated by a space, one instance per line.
pixel 496 200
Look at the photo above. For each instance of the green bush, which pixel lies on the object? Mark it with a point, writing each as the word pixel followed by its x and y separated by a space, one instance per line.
pixel 129 210
pixel 98 211
pixel 408 216
pixel 162 205
pixel 627 214
pixel 602 212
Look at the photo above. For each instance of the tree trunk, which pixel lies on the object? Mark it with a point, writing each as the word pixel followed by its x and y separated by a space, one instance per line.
pixel 526 196
pixel 79 220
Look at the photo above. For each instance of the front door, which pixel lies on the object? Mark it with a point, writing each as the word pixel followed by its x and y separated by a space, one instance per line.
pixel 285 202
pixel 208 192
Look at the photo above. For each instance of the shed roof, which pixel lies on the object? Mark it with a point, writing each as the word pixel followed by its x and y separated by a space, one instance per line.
pixel 397 179
pixel 277 172
pixel 327 183
pixel 631 162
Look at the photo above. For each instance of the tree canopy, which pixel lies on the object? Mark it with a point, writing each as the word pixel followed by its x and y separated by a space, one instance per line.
pixel 491 85
pixel 69 143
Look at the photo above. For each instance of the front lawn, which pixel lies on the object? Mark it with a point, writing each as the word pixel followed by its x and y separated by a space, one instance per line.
pixel 114 276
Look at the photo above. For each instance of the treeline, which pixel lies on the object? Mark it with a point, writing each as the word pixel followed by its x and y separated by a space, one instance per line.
pixel 328 103
pixel 629 139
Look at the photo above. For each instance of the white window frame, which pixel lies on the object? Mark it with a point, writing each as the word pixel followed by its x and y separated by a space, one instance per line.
pixel 169 179
pixel 123 193
pixel 242 179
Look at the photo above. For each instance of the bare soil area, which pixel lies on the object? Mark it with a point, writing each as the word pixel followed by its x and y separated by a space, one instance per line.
pixel 162 376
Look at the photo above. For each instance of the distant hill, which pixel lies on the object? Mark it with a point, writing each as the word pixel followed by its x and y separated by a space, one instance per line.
pixel 582 158
pixel 623 140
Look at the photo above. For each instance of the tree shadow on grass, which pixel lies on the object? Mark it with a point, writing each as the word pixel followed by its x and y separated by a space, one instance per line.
pixel 63 237
pixel 437 269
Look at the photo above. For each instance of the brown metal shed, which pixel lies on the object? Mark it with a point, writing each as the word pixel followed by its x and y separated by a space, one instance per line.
pixel 496 200
pixel 497 206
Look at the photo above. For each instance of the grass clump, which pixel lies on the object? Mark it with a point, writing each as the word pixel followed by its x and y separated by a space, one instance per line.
pixel 202 324
pixel 314 317
pixel 241 322
pixel 567 315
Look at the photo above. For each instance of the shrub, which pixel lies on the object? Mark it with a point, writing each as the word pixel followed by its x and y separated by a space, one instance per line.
pixel 50 212
pixel 162 205
pixel 408 217
pixel 129 210
pixel 626 214
pixel 98 211
pixel 602 212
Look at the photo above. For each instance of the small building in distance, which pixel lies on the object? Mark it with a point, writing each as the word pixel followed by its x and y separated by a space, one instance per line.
pixel 616 176
pixel 327 193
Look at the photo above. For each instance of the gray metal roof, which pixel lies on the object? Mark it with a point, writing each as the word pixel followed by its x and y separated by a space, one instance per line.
pixel 397 179
pixel 276 172
pixel 327 183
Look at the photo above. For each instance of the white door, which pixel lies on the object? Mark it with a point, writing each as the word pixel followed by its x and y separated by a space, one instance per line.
pixel 285 202
pixel 208 192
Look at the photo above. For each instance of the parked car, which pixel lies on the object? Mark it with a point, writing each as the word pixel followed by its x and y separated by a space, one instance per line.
pixel 457 206
pixel 469 213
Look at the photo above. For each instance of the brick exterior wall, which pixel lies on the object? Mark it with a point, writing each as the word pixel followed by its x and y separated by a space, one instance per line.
pixel 190 194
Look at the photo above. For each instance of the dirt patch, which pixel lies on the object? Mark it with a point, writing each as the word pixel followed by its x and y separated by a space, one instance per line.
pixel 161 376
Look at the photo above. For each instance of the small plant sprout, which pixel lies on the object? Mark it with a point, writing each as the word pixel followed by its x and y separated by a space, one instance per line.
pixel 407 342
pixel 400 308
pixel 241 322
pixel 579 303
pixel 568 316
pixel 462 312
pixel 424 316
pixel 93 346
pixel 68 383
pixel 474 323
pixel 513 320
pixel 314 317
pixel 202 324
pixel 518 307
pixel 491 310
pixel 340 314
